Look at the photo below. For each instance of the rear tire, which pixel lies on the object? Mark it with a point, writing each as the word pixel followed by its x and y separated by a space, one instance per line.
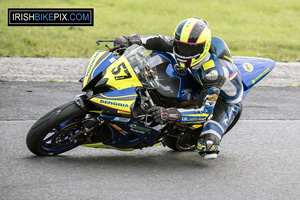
pixel 39 138
pixel 170 142
pixel 181 142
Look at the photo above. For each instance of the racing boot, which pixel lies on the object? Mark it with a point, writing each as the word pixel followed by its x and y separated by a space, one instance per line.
pixel 208 145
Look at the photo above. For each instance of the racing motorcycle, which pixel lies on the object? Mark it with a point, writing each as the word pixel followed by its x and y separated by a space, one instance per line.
pixel 119 86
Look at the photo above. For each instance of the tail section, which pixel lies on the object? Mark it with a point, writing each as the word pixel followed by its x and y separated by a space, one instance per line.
pixel 253 70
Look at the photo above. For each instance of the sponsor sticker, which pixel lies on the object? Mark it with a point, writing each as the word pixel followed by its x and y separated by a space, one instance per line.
pixel 121 119
pixel 113 103
pixel 112 60
pixel 248 67
pixel 212 75
pixel 261 75
pixel 91 65
pixel 139 129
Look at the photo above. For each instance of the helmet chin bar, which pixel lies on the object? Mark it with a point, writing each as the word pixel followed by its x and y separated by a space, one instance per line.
pixel 197 66
pixel 186 57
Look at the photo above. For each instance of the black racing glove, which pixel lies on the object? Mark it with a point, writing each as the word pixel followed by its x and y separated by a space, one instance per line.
pixel 164 115
pixel 126 41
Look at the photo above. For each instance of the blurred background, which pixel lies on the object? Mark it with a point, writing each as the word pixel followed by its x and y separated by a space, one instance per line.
pixel 256 28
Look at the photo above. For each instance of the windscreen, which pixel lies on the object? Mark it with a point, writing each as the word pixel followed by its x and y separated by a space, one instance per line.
pixel 142 64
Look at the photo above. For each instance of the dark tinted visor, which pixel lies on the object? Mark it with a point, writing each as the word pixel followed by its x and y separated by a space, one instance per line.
pixel 188 50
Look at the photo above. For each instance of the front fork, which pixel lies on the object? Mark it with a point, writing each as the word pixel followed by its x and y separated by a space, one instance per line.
pixel 83 103
pixel 90 123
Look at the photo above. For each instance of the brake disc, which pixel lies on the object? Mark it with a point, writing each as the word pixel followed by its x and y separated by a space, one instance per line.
pixel 64 137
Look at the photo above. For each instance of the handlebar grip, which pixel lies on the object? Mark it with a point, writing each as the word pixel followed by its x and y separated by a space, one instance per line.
pixel 114 48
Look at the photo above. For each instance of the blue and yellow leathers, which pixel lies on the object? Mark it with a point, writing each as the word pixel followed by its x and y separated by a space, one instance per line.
pixel 219 101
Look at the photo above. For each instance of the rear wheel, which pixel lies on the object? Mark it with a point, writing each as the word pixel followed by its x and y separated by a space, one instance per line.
pixel 170 141
pixel 54 133
pixel 187 141
pixel 182 142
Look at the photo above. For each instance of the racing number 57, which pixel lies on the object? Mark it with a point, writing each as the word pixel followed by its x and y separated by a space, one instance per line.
pixel 117 70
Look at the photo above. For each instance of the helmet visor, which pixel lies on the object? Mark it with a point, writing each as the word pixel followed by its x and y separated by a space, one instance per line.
pixel 188 50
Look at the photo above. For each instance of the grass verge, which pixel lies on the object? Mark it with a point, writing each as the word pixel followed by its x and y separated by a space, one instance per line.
pixel 268 28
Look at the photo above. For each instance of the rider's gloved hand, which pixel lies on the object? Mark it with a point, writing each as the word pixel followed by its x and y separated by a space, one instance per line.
pixel 126 41
pixel 208 145
pixel 164 115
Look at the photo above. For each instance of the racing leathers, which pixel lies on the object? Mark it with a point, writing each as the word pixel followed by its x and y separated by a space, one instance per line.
pixel 220 99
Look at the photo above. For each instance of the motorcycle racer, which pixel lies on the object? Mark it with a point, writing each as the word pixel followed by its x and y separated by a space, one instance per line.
pixel 209 60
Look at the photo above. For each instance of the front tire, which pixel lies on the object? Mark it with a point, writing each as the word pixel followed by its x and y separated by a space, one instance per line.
pixel 50 135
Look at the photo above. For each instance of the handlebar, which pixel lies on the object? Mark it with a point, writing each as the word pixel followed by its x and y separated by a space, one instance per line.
pixel 98 41
pixel 114 48
pixel 118 47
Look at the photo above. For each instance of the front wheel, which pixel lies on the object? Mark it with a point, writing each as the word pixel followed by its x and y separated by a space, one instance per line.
pixel 53 133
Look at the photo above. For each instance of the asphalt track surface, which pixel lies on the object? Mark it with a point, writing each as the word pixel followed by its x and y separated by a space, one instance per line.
pixel 259 158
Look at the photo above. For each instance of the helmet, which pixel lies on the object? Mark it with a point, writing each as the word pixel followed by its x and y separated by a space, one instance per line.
pixel 192 40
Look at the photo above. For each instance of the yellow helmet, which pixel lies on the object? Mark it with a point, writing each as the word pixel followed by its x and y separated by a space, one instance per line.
pixel 192 39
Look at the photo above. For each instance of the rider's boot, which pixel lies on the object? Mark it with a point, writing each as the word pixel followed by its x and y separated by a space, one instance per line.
pixel 208 145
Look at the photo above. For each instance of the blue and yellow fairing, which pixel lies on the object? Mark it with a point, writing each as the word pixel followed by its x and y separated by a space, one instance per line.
pixel 117 71
pixel 116 102
pixel 97 64
pixel 106 70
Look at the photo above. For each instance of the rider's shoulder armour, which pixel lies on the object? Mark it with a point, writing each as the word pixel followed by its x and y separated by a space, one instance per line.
pixel 211 73
pixel 220 48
